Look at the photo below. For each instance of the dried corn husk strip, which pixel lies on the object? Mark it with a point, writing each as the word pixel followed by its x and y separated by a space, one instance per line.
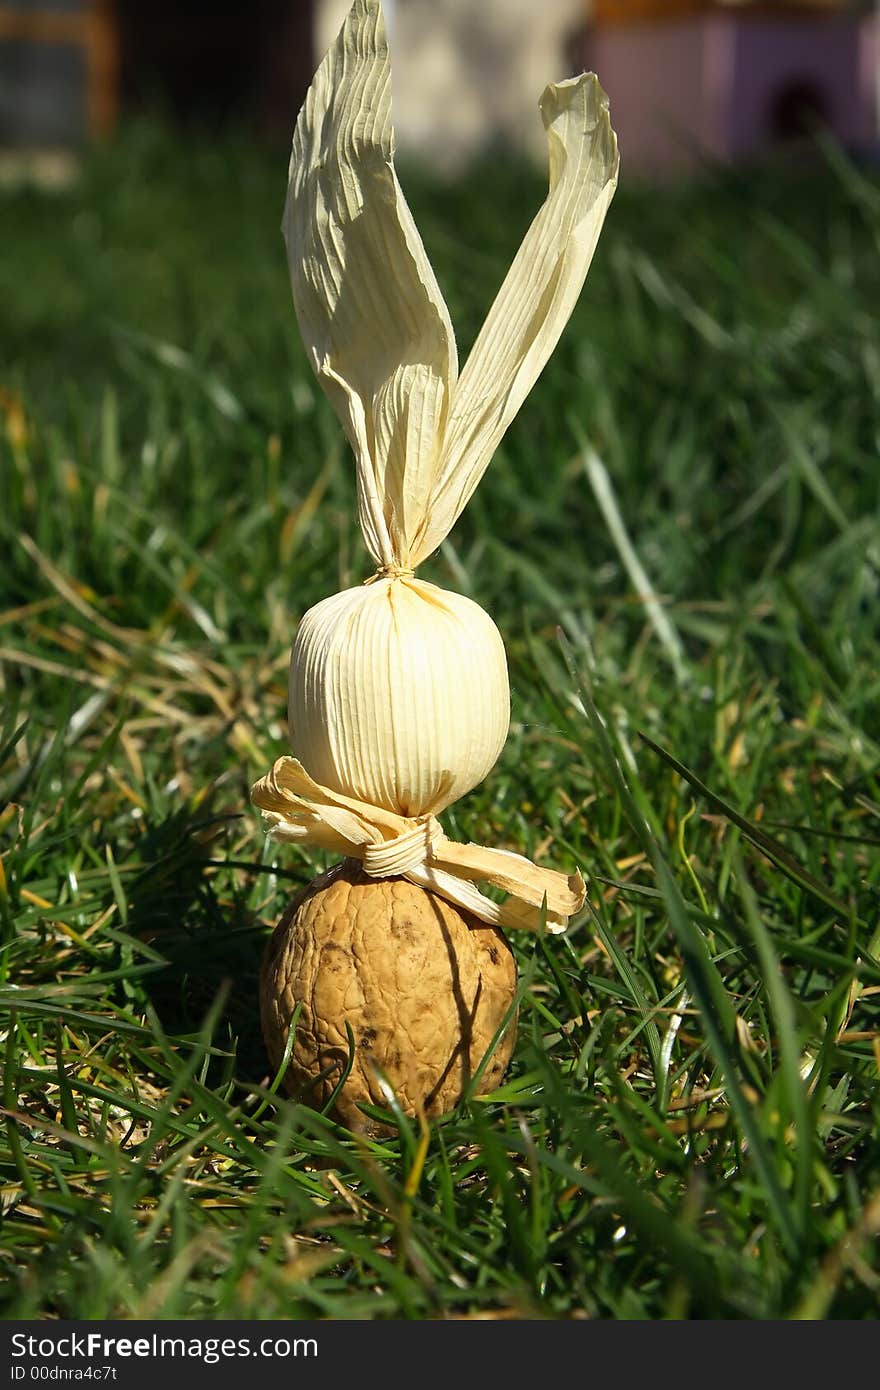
pixel 536 300
pixel 299 809
pixel 370 311
pixel 371 314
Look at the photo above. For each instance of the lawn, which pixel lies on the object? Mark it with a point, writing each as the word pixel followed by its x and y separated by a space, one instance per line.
pixel 689 1127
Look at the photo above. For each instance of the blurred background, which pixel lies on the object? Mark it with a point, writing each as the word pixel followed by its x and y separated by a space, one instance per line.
pixel 722 359
pixel 688 79
pixel 147 338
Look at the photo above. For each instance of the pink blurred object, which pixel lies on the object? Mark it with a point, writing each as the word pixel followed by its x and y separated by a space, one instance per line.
pixel 730 84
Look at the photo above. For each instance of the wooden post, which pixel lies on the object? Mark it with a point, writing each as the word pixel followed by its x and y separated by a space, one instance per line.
pixel 103 67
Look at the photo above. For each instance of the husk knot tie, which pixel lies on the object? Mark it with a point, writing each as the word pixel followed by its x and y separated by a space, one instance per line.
pixel 388 844
pixel 391 571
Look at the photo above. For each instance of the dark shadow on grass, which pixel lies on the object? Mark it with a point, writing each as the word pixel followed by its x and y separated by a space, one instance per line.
pixel 208 942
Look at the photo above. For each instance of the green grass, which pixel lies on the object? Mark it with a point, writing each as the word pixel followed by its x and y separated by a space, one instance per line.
pixel 690 1123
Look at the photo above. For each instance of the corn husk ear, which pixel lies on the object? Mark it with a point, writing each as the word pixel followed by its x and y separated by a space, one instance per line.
pixel 371 314
pixel 537 296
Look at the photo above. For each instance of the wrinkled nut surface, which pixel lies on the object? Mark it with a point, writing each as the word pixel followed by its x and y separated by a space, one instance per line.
pixel 423 986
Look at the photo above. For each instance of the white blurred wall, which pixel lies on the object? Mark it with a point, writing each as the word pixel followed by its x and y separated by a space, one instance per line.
pixel 468 73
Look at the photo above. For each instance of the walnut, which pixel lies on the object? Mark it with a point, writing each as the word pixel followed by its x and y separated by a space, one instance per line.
pixel 423 985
